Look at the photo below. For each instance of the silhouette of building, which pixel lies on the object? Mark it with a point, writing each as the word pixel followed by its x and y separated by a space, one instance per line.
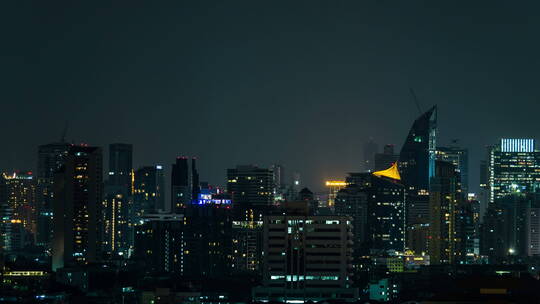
pixel 78 198
pixel 386 158
pixel 50 158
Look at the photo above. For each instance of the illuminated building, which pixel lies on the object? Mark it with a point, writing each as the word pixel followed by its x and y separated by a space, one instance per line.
pixel 194 244
pixel 306 258
pixel 512 227
pixel 120 168
pixel 77 208
pixel 149 190
pixel 184 183
pixel 160 242
pixel 19 209
pixel 118 207
pixel 513 165
pixel 279 182
pixel 386 159
pixel 417 165
pixel 247 246
pixel 333 188
pixel 417 156
pixel 445 197
pixel 467 232
pixel 251 190
pixel 376 202
pixel 459 157
pixel 50 158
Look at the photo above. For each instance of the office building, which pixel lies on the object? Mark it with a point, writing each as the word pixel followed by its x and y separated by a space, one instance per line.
pixel 445 197
pixel 120 168
pixel 77 211
pixel 184 183
pixel 160 243
pixel 50 158
pixel 307 258
pixel 513 165
pixel 251 190
pixel 376 203
pixel 459 157
pixel 417 156
pixel 118 207
pixel 20 202
pixel 17 211
pixel 247 247
pixel 149 190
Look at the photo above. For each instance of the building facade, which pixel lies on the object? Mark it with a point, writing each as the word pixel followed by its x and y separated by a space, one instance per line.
pixel 78 194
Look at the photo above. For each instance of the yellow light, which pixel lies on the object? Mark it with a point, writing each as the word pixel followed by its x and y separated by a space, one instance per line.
pixel 391 172
pixel 336 183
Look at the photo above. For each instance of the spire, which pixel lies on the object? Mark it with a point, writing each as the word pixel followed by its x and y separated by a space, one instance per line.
pixel 391 172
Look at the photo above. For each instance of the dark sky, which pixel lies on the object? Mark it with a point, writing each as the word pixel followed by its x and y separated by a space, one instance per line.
pixel 299 83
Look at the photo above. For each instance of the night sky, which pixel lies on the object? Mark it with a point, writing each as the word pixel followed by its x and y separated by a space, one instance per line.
pixel 302 84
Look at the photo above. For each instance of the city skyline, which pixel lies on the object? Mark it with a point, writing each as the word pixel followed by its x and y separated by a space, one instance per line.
pixel 304 87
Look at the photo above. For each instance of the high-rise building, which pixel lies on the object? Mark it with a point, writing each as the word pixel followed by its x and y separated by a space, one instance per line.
pixel 445 197
pixel 459 157
pixel 417 167
pixel 386 159
pixel 247 247
pixel 307 258
pixel 184 183
pixel 370 148
pixel 376 202
pixel 512 227
pixel 149 190
pixel 120 168
pixel 251 190
pixel 118 207
pixel 417 156
pixel 77 211
pixel 196 244
pixel 512 165
pixel 50 158
pixel 160 242
pixel 18 209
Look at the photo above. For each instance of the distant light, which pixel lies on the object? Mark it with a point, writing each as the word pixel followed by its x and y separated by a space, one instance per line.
pixel 332 183
pixel 159 167
pixel 511 251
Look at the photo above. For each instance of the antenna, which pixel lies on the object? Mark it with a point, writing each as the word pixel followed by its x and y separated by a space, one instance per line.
pixel 63 138
pixel 415 100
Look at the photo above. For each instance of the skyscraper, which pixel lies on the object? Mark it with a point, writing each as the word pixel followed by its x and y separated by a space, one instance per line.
pixel 459 157
pixel 118 201
pixel 417 156
pixel 78 198
pixel 513 165
pixel 50 158
pixel 251 190
pixel 184 183
pixel 19 209
pixel 120 168
pixel 376 202
pixel 445 197
pixel 149 190
pixel 417 167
